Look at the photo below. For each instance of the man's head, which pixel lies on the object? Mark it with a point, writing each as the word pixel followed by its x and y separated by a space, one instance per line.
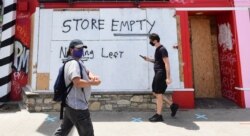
pixel 154 38
pixel 76 48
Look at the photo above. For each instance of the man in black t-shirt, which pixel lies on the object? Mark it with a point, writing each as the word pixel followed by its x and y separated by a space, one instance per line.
pixel 161 79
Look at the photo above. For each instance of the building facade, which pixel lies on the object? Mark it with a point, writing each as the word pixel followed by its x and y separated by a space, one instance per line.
pixel 207 42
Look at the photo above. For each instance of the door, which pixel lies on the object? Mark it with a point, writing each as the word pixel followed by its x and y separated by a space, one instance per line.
pixel 204 58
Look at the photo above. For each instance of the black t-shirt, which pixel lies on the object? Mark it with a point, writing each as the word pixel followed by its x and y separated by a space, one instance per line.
pixel 160 53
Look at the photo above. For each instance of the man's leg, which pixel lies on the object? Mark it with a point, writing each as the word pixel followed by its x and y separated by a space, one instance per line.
pixel 84 124
pixel 157 117
pixel 173 106
pixel 159 102
pixel 66 125
pixel 168 100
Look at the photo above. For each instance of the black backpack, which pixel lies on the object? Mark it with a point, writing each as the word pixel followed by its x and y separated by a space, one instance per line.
pixel 61 91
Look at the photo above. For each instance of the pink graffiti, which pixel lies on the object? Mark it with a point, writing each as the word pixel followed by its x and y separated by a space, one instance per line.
pixel 19 80
pixel 230 95
pixel 18 76
pixel 228 58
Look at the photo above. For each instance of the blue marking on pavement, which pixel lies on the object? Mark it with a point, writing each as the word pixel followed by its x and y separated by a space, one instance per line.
pixel 136 120
pixel 51 119
pixel 201 116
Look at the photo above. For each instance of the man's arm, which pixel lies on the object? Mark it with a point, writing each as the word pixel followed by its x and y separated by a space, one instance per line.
pixel 167 67
pixel 80 83
pixel 149 59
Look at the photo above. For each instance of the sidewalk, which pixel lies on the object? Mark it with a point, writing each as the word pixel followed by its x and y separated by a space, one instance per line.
pixel 197 122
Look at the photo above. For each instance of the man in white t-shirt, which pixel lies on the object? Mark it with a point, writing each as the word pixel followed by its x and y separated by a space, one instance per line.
pixel 76 111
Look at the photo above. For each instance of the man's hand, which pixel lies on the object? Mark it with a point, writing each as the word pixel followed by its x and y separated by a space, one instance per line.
pixel 147 58
pixel 168 81
pixel 95 81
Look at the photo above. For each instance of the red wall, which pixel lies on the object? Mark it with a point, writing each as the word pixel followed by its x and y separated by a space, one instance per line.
pixel 25 8
pixel 229 63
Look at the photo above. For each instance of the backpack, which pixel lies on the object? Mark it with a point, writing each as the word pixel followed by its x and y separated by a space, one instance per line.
pixel 61 91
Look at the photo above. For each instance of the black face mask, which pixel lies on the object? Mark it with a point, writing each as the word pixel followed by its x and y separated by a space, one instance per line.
pixel 151 43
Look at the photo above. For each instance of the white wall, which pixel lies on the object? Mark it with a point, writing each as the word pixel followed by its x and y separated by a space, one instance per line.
pixel 109 31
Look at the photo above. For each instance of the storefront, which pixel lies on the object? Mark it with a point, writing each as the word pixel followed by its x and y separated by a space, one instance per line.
pixel 205 40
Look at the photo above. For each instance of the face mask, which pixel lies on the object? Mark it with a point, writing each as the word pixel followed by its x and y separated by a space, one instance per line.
pixel 78 53
pixel 151 43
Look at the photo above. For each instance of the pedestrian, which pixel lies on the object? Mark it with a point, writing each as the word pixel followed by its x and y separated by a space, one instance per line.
pixel 76 112
pixel 161 78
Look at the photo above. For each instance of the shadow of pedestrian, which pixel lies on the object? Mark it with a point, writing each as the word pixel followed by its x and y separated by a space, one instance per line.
pixel 179 122
pixel 9 107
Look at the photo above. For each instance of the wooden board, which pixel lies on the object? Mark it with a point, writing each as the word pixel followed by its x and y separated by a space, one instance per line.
pixel 179 45
pixel 113 51
pixel 42 81
pixel 203 69
pixel 215 54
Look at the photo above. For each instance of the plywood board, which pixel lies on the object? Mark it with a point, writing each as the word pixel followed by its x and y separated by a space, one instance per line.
pixel 203 69
pixel 179 47
pixel 115 58
pixel 42 81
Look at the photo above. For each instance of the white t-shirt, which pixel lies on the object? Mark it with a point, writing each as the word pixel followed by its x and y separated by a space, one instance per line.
pixel 76 99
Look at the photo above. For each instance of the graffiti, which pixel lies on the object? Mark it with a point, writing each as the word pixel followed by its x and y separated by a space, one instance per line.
pixel 225 37
pixel 21 57
pixel 18 76
pixel 87 54
pixel 116 54
pixel 229 58
pixel 117 25
pixel 230 94
pixel 78 24
pixel 82 24
pixel 228 73
pixel 19 79
pixel 90 54
pixel 22 34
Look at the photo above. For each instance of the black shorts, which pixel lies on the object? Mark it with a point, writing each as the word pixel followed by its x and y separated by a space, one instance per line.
pixel 159 84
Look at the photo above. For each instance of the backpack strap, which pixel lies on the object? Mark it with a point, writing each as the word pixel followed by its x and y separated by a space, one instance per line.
pixel 69 87
pixel 82 78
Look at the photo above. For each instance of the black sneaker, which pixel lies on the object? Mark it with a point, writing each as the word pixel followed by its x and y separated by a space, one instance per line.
pixel 174 107
pixel 156 118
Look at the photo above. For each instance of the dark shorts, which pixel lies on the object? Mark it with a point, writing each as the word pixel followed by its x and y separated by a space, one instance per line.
pixel 159 84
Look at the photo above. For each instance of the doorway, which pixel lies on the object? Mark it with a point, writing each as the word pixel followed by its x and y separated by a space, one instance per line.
pixel 205 56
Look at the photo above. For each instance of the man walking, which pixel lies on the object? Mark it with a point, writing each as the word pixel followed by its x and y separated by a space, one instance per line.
pixel 76 110
pixel 161 79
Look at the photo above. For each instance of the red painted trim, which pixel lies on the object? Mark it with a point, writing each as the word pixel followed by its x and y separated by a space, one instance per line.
pixel 89 5
pixel 241 101
pixel 185 99
pixel 32 5
pixel 187 4
pixel 133 5
pixel 186 52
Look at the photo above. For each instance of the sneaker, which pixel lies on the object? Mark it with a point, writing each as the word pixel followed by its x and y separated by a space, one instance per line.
pixel 174 107
pixel 156 118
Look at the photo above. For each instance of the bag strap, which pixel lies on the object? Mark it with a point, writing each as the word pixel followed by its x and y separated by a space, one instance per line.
pixel 69 87
pixel 82 78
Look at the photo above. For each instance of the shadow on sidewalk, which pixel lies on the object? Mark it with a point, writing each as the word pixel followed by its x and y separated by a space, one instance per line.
pixel 9 107
pixel 186 119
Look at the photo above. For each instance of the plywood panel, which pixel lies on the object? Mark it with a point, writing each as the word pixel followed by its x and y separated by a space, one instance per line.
pixel 202 58
pixel 215 54
pixel 179 47
pixel 42 81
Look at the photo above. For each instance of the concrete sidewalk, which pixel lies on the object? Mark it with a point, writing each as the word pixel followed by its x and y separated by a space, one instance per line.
pixel 197 122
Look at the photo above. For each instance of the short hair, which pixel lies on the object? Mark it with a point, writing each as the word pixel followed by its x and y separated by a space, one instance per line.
pixel 154 36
